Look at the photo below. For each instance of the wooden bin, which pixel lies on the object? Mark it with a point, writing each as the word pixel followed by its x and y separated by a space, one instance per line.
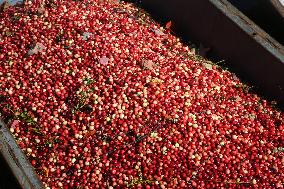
pixel 246 48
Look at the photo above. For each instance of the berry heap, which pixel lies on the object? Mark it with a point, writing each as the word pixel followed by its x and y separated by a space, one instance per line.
pixel 98 95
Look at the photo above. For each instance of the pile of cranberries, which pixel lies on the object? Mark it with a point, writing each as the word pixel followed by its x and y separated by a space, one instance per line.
pixel 98 95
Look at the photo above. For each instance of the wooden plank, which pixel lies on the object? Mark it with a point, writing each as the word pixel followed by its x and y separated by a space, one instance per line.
pixel 17 161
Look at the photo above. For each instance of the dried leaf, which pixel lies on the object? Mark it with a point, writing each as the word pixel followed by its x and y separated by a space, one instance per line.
pixel 208 66
pixel 158 32
pixel 234 77
pixel 193 51
pixel 40 10
pixel 169 24
pixel 90 133
pixel 119 10
pixel 46 171
pixel 8 33
pixel 86 35
pixel 15 123
pixel 115 1
pixel 148 64
pixel 4 6
pixel 38 48
pixel 103 60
